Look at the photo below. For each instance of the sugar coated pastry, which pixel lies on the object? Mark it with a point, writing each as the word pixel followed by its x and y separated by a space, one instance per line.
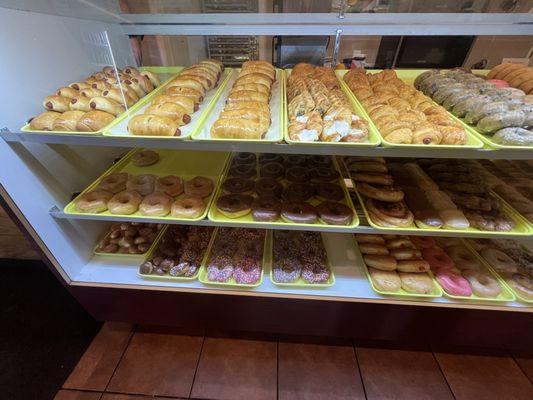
pixel 416 283
pixel 482 284
pixel 384 263
pixel 44 121
pixel 387 281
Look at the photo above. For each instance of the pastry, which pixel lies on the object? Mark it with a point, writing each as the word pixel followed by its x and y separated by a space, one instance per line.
pixel 44 121
pixel 94 121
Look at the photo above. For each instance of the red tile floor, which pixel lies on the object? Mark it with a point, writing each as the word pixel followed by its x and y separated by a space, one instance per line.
pixel 134 363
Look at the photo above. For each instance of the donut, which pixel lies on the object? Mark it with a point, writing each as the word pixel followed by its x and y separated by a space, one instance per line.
pixel 406 254
pixel 479 244
pixel 500 261
pixel 270 157
pixel 453 283
pixel 268 186
pixel 144 158
pixel 423 242
pixel 463 258
pixel 271 170
pixel 298 212
pixel 386 281
pixel 334 213
pixel 324 174
pixel 389 214
pixel 373 178
pixel 246 271
pixel 187 207
pixel 114 183
pixel 329 191
pixel 373 248
pixel 314 269
pixel 238 186
pixel 318 161
pixel 199 186
pixel 244 171
pixel 482 284
pixel 287 270
pixel 94 201
pixel 143 184
pixel 412 266
pixel 266 208
pixel 171 185
pixel 399 243
pixel 244 158
pixel 294 160
pixel 235 205
pixel 416 283
pixel 156 204
pixel 523 284
pixel 388 194
pixel 220 268
pixel 384 263
pixel 298 192
pixel 297 175
pixel 437 259
pixel 368 238
pixel 124 203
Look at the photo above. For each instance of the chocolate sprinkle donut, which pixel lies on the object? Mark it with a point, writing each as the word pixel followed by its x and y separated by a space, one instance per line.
pixel 297 175
pixel 299 192
pixel 271 170
pixel 245 171
pixel 268 186
pixel 329 191
pixel 266 208
pixel 238 185
pixel 299 212
pixel 333 213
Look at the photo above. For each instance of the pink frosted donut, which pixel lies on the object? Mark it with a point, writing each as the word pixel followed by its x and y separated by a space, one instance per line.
pixel 437 259
pixel 453 283
pixel 423 242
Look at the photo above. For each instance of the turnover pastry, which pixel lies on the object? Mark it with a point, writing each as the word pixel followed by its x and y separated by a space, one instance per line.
pixel 44 121
pixel 93 121
pixel 67 121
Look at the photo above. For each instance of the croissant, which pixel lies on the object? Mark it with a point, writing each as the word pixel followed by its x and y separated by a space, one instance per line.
pixel 80 85
pixel 255 116
pixel 106 104
pixel 187 83
pixel 202 80
pixel 192 94
pixel 118 96
pixel 90 92
pixel 400 136
pixel 237 129
pixel 44 121
pixel 188 104
pixel 56 103
pixel 67 92
pixel 170 110
pixel 452 134
pixel 239 105
pixel 257 87
pixel 67 121
pixel 254 78
pixel 80 103
pixel 247 95
pixel 93 121
pixel 153 125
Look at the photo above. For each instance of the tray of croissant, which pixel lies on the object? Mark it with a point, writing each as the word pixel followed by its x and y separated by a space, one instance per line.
pixel 89 106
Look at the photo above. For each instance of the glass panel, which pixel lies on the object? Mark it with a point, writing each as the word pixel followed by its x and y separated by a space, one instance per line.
pixel 437 6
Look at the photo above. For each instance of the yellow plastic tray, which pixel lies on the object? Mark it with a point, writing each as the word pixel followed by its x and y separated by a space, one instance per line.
pixel 514 211
pixel 402 293
pixel 274 133
pixel 300 283
pixel 120 127
pixel 231 283
pixel 217 216
pixel 177 162
pixel 408 76
pixel 169 278
pixel 168 73
pixel 150 249
pixel 373 140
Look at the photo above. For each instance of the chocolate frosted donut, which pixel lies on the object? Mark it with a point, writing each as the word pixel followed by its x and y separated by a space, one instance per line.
pixel 324 174
pixel 299 212
pixel 235 205
pixel 329 191
pixel 238 185
pixel 244 158
pixel 268 186
pixel 299 192
pixel 243 171
pixel 270 157
pixel 271 170
pixel 318 161
pixel 297 174
pixel 266 208
pixel 333 213
pixel 294 160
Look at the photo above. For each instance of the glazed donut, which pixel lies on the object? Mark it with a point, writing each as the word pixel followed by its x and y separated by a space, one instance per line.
pixel 93 202
pixel 156 204
pixel 187 207
pixel 171 185
pixel 389 214
pixel 437 259
pixel 238 186
pixel 266 208
pixel 271 170
pixel 413 282
pixel 244 158
pixel 453 283
pixel 244 171
pixel 143 184
pixel 498 260
pixel 412 266
pixel 382 193
pixel 482 284
pixel 294 160
pixel 199 186
pixel 324 174
pixel 406 254
pixel 298 192
pixel 297 175
pixel 270 157
pixel 383 263
pixel 114 183
pixel 334 213
pixel 386 281
pixel 463 258
pixel 124 203
pixel 329 191
pixel 298 212
pixel 368 238
pixel 373 248
pixel 145 158
pixel 373 178
pixel 235 205
pixel 523 284
pixel 423 242
pixel 400 243
pixel 318 161
pixel 268 186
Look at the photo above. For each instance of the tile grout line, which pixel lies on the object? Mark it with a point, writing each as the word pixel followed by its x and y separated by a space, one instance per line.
pixel 133 331
pixel 441 371
pixel 197 365
pixel 354 348
pixel 518 365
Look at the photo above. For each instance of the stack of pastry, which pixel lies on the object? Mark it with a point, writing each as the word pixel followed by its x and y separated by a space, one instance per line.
pixel 246 114
pixel 395 263
pixel 182 97
pixel 90 105
pixel 128 238
pixel 318 110
pixel 402 113
pixel 516 75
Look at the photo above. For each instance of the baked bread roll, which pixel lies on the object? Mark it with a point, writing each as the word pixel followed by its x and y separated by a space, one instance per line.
pixel 126 89
pixel 188 104
pixel 44 121
pixel 153 125
pixel 152 78
pixel 256 116
pixel 56 103
pixel 135 86
pixel 101 85
pixel 91 92
pixel 67 121
pixel 67 91
pixel 80 103
pixel 254 78
pixel 106 104
pixel 93 121
pixel 118 96
pixel 247 95
pixel 202 80
pixel 129 70
pixel 237 129
pixel 80 85
pixel 170 110
pixel 187 83
pixel 145 83
pixel 239 105
pixel 191 93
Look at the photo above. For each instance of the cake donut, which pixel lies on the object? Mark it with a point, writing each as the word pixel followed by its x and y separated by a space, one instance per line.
pixel 143 184
pixel 171 185
pixel 297 175
pixel 246 270
pixel 270 157
pixel 271 170
pixel 500 261
pixel 114 183
pixel 324 174
pixel 318 161
pixel 523 284
pixel 294 160
pixel 156 204
pixel 463 258
pixel 220 269
pixel 287 270
pixel 187 207
pixel 437 259
pixel 314 269
pixel 299 212
pixel 266 208
pixel 334 213
pixel 482 284
pixel 124 203
pixel 244 158
pixel 95 201
pixel 199 186
pixel 453 283
pixel 145 158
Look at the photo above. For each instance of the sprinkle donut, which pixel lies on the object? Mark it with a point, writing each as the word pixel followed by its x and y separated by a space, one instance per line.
pixel 220 269
pixel 287 270
pixel 247 271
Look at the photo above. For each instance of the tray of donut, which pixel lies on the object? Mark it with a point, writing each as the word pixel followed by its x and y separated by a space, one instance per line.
pixel 319 109
pixel 162 185
pixel 88 106
pixel 430 194
pixel 250 107
pixel 181 106
pixel 403 115
pixel 275 189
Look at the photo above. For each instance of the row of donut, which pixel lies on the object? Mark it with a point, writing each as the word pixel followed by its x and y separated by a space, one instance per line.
pixel 92 104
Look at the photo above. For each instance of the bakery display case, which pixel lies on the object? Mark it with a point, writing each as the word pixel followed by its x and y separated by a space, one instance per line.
pixel 161 152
